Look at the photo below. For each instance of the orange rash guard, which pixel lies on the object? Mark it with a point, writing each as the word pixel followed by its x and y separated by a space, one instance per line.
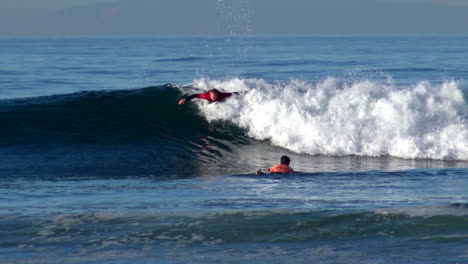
pixel 281 168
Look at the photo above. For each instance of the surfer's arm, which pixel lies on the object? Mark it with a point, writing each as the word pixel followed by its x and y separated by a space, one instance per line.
pixel 259 172
pixel 227 95
pixel 239 93
pixel 183 100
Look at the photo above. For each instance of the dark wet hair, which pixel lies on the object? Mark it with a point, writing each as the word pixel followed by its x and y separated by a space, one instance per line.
pixel 285 160
pixel 214 91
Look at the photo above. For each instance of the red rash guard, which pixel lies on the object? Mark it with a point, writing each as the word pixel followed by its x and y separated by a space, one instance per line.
pixel 206 96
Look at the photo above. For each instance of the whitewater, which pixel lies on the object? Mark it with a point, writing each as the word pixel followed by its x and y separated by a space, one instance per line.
pixel 334 117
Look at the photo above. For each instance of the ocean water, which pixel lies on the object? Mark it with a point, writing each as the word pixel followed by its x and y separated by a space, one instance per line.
pixel 99 164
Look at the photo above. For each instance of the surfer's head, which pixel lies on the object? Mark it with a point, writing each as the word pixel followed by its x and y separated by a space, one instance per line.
pixel 285 160
pixel 214 93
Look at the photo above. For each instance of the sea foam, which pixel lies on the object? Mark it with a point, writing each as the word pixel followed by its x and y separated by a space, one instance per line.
pixel 334 117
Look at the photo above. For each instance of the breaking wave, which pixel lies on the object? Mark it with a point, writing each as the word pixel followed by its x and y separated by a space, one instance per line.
pixel 337 118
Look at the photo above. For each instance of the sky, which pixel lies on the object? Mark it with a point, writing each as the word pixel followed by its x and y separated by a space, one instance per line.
pixel 196 17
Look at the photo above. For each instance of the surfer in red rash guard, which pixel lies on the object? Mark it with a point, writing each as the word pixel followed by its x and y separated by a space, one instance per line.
pixel 213 95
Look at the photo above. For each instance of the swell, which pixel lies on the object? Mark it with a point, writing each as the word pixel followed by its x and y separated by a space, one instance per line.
pixel 442 223
pixel 94 116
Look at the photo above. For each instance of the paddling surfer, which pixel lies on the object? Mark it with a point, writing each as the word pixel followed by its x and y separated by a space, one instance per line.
pixel 283 167
pixel 213 95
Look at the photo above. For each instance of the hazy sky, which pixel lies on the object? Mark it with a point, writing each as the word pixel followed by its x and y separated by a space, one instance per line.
pixel 84 17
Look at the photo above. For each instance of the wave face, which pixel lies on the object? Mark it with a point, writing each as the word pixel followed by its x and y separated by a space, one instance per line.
pixel 337 118
pixel 126 132
pixel 96 117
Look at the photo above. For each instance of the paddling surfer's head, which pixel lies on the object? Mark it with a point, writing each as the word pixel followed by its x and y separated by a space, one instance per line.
pixel 214 93
pixel 285 160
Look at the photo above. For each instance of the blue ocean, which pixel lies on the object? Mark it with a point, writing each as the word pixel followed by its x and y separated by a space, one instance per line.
pixel 101 165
